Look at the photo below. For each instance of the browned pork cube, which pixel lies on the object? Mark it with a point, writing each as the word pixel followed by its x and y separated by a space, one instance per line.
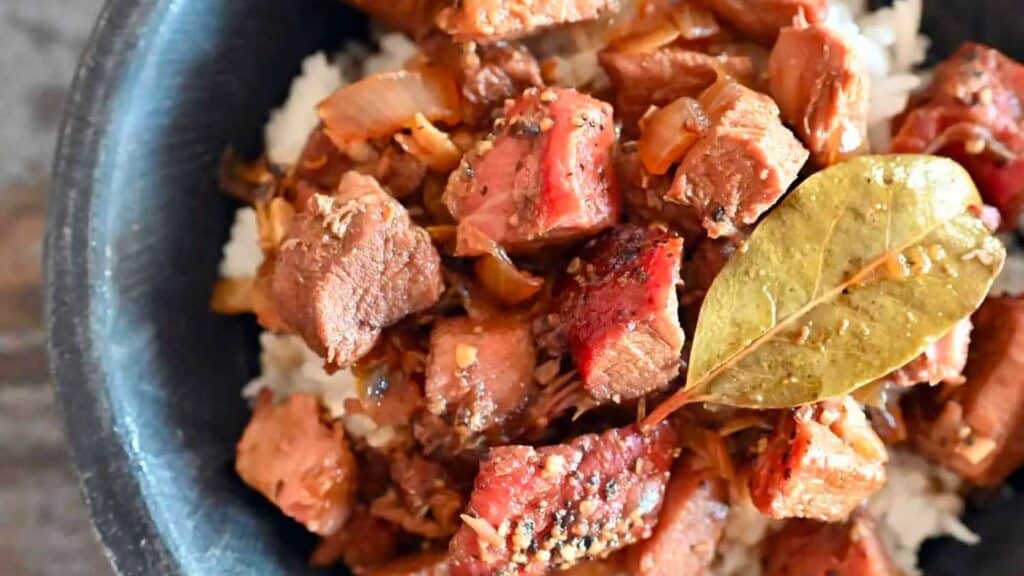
pixel 823 90
pixel 742 165
pixel 642 80
pixel 491 20
pixel 976 429
pixel 299 462
pixel 643 196
pixel 763 19
pixel 821 463
pixel 352 264
pixel 479 373
pixel 808 548
pixel 545 176
pixel 535 509
pixel 942 361
pixel 689 527
pixel 621 312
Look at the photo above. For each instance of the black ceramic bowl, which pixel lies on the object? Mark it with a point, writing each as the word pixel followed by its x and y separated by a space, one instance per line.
pixel 148 378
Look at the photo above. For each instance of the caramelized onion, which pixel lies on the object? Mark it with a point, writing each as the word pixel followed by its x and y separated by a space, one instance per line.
pixel 500 277
pixel 385 103
pixel 669 132
pixel 273 219
pixel 659 23
pixel 694 22
pixel 232 296
pixel 662 33
pixel 430 145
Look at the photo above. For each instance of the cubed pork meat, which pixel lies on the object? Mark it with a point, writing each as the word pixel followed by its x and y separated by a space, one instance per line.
pixel 942 361
pixel 545 175
pixel 422 498
pixel 422 564
pixel 808 548
pixel 763 19
pixel 487 74
pixel 741 165
pixel 364 541
pixel 975 429
pixel 691 522
pixel 534 509
pixel 299 462
pixel 823 90
pixel 973 113
pixel 621 312
pixel 643 196
pixel 479 373
pixel 490 20
pixel 642 80
pixel 352 264
pixel 821 463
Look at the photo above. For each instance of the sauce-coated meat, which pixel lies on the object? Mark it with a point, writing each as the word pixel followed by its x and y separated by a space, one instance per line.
pixel 643 196
pixel 942 361
pixel 763 19
pixel 299 462
pixel 422 564
pixel 976 428
pixel 545 176
pixel 821 463
pixel 480 372
pixel 534 509
pixel 352 264
pixel 490 20
pixel 822 89
pixel 621 312
pixel 742 165
pixel 689 527
pixel 808 548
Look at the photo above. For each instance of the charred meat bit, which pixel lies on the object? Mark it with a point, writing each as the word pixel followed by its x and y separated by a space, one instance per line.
pixel 763 19
pixel 973 113
pixel 422 564
pixel 822 89
pixel 546 177
pixel 689 527
pixel 491 20
pixel 479 373
pixel 299 462
pixel 822 462
pixel 942 361
pixel 808 548
pixel 659 77
pixel 741 166
pixel 975 429
pixel 620 310
pixel 534 509
pixel 351 265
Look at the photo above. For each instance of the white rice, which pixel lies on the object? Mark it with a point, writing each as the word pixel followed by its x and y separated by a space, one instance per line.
pixel 918 502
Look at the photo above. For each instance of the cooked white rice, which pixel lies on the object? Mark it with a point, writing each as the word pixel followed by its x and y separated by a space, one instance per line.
pixel 918 502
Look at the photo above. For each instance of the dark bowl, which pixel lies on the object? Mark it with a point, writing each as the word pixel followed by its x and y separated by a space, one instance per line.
pixel 148 378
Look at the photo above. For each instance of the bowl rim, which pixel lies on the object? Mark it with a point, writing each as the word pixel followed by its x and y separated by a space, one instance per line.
pixel 105 468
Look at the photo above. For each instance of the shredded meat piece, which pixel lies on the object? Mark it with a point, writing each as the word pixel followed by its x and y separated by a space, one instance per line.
pixel 621 312
pixel 822 89
pixel 423 499
pixel 808 548
pixel 643 196
pixel 351 265
pixel 821 463
pixel 975 428
pixel 763 19
pixel 300 463
pixel 490 20
pixel 534 509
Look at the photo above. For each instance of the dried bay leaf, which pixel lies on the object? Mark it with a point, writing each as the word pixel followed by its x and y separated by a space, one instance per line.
pixel 849 278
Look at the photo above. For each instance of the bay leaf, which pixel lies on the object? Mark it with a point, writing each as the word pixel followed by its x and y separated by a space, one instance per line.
pixel 850 277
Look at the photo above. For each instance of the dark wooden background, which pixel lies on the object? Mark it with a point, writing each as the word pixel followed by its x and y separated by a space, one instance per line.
pixel 44 528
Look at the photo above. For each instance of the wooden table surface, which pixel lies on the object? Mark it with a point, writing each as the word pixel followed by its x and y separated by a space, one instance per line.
pixel 44 527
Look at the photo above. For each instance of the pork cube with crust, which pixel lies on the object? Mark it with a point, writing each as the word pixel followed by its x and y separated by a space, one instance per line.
pixel 808 548
pixel 741 165
pixel 690 524
pixel 491 20
pixel 620 310
pixel 942 361
pixel 352 264
pixel 545 175
pixel 537 509
pixel 479 372
pixel 977 429
pixel 299 462
pixel 643 196
pixel 823 90
pixel 763 19
pixel 821 463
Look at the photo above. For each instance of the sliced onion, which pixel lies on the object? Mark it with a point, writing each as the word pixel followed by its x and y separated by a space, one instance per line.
pixel 499 276
pixel 661 32
pixel 719 95
pixel 273 219
pixel 669 132
pixel 693 21
pixel 232 296
pixel 430 145
pixel 385 103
